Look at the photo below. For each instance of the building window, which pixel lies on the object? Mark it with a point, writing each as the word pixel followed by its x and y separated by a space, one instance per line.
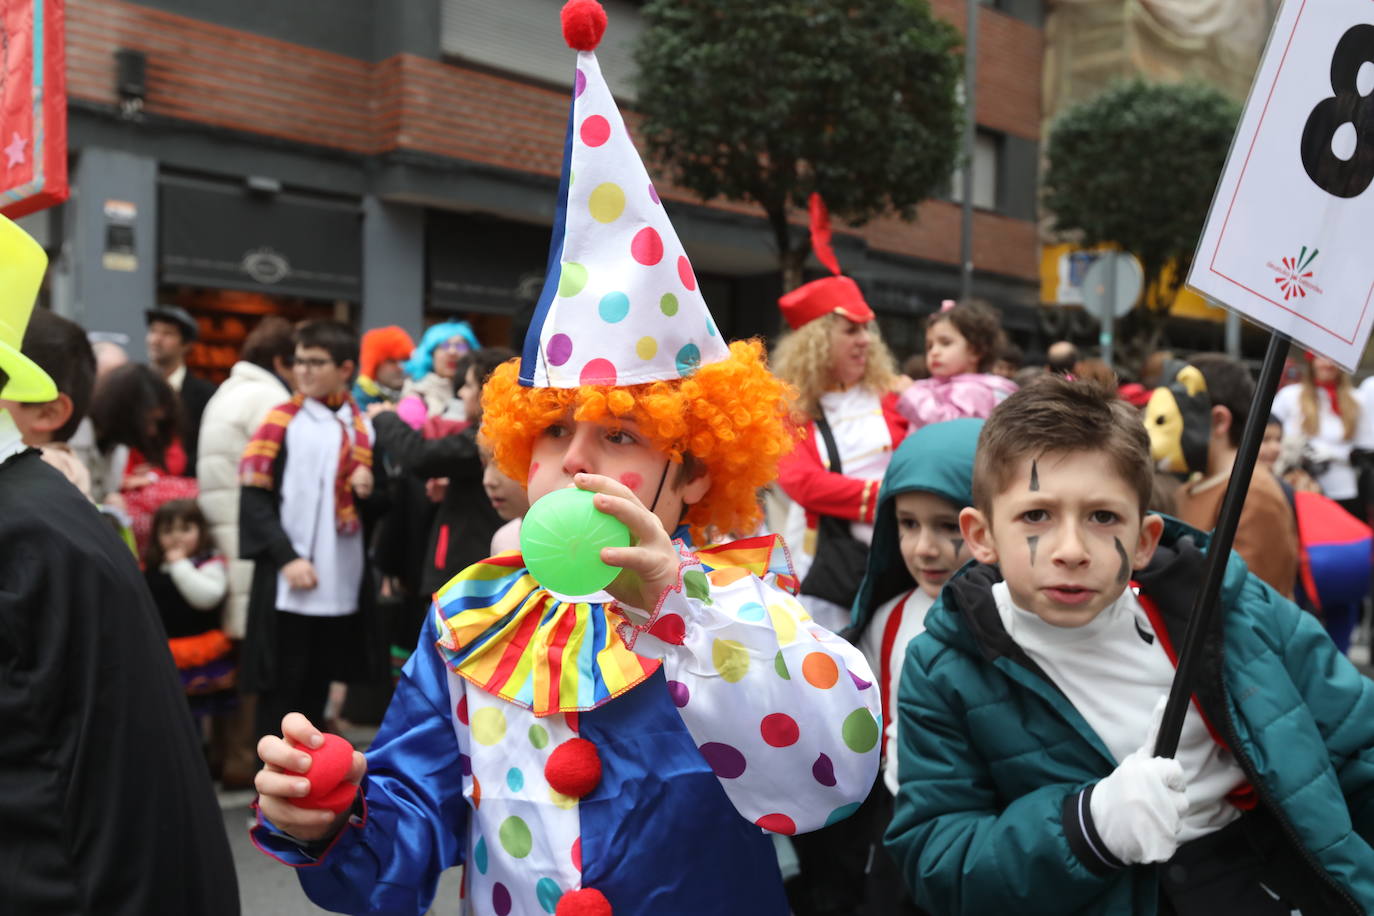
pixel 987 168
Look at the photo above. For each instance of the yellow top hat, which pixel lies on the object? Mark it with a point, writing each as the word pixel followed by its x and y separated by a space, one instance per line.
pixel 22 262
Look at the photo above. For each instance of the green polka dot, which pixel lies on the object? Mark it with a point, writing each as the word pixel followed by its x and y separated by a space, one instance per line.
pixel 697 585
pixel 479 855
pixel 571 279
pixel 780 667
pixel 547 892
pixel 515 837
pixel 538 736
pixel 842 812
pixel 860 731
pixel 668 304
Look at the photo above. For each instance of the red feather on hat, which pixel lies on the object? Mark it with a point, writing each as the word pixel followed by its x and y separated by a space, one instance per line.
pixel 820 234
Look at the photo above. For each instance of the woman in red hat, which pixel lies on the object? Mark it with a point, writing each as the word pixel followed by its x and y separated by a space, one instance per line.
pixel 846 380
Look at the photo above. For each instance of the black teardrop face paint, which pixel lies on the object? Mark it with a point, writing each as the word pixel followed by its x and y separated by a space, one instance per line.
pixel 1033 541
pixel 1035 477
pixel 1123 575
pixel 958 545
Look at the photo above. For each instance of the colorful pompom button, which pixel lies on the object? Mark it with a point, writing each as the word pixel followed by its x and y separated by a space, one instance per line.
pixel 574 768
pixel 584 902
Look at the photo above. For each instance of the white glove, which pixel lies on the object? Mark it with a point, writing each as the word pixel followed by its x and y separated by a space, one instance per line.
pixel 1138 809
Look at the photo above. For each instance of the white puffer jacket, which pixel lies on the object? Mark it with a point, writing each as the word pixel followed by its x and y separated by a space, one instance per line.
pixel 230 420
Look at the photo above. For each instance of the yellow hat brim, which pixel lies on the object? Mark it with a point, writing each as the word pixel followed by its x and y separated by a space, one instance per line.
pixel 28 383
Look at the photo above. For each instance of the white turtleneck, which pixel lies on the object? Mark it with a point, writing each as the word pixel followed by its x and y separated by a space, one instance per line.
pixel 1114 671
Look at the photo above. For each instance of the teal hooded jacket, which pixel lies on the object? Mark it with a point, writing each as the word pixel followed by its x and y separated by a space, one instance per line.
pixel 934 459
pixel 993 756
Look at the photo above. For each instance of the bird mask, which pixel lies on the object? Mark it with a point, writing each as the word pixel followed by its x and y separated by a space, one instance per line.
pixel 1178 419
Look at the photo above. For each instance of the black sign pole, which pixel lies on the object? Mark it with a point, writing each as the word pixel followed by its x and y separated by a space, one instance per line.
pixel 1206 607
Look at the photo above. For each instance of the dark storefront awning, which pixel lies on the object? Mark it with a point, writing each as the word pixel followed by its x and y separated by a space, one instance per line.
pixel 483 264
pixel 221 235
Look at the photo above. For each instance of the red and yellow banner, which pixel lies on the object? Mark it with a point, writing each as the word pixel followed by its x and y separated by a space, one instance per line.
pixel 33 106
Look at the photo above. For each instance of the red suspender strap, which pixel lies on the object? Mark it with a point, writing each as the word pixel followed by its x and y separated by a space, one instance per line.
pixel 1242 796
pixel 894 623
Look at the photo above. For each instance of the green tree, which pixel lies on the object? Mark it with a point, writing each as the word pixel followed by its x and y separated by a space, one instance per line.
pixel 1137 166
pixel 766 101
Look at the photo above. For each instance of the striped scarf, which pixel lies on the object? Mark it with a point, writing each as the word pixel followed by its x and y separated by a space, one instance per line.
pixel 255 468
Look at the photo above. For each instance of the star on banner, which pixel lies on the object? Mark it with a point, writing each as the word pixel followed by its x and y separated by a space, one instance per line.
pixel 15 151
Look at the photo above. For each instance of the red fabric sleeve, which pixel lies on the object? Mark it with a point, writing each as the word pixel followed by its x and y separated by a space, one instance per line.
pixel 821 492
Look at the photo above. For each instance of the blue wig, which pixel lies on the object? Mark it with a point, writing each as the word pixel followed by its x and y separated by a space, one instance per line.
pixel 422 360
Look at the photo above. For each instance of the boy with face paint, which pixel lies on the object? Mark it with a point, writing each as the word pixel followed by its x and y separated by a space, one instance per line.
pixel 917 546
pixel 1029 708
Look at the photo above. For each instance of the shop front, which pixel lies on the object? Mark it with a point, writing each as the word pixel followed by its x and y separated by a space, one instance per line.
pixel 231 252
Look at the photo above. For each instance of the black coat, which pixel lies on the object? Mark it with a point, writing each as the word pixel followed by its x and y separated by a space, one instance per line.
pixel 262 540
pixel 195 394
pixel 106 804
pixel 461 532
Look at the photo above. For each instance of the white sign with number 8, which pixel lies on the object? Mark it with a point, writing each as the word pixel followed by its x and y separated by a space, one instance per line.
pixel 1289 241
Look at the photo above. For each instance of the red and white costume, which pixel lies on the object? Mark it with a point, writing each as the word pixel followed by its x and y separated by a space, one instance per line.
pixel 867 428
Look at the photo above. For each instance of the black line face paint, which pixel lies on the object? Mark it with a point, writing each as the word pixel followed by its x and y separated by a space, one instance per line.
pixel 1035 477
pixel 1123 575
pixel 1033 541
pixel 958 545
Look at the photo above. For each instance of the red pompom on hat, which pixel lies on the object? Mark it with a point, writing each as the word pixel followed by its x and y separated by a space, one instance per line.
pixel 584 22
pixel 584 902
pixel 574 768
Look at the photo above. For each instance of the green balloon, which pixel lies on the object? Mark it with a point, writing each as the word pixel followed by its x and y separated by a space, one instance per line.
pixel 561 540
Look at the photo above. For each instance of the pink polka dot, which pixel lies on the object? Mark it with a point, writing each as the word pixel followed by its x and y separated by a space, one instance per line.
pixel 577 853
pixel 823 771
pixel 462 711
pixel 726 761
pixel 560 349
pixel 595 131
pixel 653 193
pixel 598 372
pixel 500 899
pixel 647 247
pixel 779 730
pixel 684 272
pixel 679 692
pixel 631 480
pixel 777 823
pixel 670 628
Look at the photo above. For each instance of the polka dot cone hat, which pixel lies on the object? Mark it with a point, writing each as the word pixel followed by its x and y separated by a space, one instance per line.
pixel 620 304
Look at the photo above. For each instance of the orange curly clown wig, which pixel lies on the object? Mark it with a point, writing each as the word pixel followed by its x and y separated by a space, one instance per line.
pixel 731 418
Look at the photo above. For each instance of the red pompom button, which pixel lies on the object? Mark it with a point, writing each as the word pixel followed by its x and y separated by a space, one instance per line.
pixel 329 765
pixel 584 22
pixel 584 902
pixel 574 768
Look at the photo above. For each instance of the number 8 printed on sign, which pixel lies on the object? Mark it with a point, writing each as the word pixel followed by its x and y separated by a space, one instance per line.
pixel 1348 175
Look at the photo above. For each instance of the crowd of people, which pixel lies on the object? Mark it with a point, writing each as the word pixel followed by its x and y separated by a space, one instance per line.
pixel 314 537
pixel 939 690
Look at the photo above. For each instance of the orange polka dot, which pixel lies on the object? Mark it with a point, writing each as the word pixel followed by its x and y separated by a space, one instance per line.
pixel 476 792
pixel 820 670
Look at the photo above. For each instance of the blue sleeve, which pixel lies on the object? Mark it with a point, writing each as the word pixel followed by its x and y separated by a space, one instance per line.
pixel 413 822
pixel 1341 701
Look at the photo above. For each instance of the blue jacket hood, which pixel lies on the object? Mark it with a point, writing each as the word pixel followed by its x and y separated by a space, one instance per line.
pixel 935 459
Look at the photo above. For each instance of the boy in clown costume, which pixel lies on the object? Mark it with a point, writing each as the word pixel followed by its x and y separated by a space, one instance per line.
pixel 627 752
